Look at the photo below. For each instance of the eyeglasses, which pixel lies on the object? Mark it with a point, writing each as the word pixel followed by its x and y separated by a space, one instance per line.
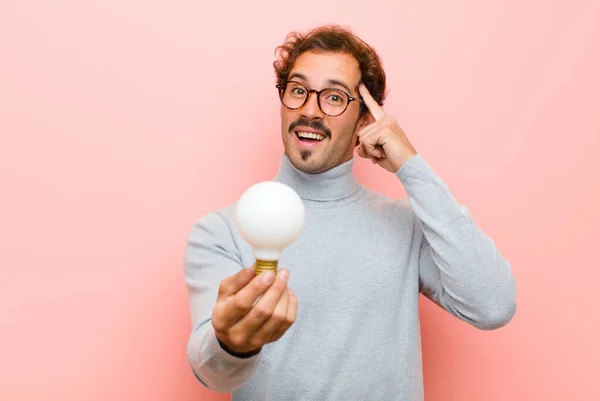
pixel 332 101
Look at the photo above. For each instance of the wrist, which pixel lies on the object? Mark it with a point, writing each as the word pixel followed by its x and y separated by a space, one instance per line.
pixel 402 160
pixel 242 355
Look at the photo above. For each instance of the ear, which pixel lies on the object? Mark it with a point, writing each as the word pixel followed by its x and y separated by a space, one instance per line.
pixel 365 120
pixel 362 123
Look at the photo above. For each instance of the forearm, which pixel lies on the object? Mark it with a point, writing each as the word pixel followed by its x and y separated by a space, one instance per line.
pixel 214 367
pixel 468 274
pixel 211 256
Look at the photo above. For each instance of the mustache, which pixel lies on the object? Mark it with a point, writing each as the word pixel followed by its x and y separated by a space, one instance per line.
pixel 315 124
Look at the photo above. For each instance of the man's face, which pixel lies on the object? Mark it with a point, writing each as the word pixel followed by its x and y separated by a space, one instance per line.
pixel 319 71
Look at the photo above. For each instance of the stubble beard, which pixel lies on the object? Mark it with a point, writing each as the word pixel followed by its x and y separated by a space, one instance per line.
pixel 331 158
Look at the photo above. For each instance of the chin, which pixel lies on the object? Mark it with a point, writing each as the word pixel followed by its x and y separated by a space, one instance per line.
pixel 314 166
pixel 306 161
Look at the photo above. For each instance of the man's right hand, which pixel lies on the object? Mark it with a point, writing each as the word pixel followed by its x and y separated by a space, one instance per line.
pixel 243 324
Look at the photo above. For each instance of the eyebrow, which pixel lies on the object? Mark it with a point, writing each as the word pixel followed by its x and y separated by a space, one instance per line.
pixel 329 81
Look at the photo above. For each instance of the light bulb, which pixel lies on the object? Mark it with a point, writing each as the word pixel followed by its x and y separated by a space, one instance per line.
pixel 270 216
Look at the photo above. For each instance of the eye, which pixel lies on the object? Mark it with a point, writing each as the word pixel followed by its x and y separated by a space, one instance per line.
pixel 334 98
pixel 298 91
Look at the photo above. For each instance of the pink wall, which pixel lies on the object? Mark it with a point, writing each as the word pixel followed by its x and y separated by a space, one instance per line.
pixel 123 121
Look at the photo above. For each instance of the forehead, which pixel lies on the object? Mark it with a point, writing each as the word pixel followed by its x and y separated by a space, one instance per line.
pixel 318 68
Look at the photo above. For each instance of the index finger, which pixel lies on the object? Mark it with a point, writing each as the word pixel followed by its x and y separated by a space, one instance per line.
pixel 371 103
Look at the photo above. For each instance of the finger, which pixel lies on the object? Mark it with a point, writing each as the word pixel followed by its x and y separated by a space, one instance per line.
pixel 235 307
pixel 263 310
pixel 292 311
pixel 233 284
pixel 371 146
pixel 264 333
pixel 366 133
pixel 371 103
pixel 374 152
pixel 367 129
pixel 361 151
pixel 369 142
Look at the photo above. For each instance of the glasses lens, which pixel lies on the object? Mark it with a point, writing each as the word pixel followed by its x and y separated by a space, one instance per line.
pixel 333 102
pixel 294 95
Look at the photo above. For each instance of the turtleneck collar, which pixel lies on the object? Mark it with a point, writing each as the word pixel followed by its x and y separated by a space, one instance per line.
pixel 333 184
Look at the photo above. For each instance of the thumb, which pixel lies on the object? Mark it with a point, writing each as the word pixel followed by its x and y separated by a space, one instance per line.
pixel 232 284
pixel 360 150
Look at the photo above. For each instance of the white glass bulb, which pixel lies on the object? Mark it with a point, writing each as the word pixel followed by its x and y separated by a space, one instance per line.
pixel 270 216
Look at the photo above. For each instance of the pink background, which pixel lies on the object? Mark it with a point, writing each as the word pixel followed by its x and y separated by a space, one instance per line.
pixel 121 122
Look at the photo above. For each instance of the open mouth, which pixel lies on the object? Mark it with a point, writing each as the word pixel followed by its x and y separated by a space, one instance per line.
pixel 309 140
pixel 309 137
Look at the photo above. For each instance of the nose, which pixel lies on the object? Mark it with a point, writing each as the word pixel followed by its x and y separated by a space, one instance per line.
pixel 311 108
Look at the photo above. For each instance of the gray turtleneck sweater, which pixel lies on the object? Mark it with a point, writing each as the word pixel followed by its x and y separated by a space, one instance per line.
pixel 357 270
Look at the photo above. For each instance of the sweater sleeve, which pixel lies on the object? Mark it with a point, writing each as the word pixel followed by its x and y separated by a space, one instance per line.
pixel 211 255
pixel 460 267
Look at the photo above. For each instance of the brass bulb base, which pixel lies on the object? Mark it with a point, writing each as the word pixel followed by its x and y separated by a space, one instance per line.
pixel 264 266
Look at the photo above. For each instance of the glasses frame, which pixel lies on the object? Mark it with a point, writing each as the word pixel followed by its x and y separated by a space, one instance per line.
pixel 282 88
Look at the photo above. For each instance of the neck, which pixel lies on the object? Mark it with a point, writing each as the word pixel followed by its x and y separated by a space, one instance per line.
pixel 336 183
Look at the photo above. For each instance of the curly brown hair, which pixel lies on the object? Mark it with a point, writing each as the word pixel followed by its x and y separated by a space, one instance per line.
pixel 333 38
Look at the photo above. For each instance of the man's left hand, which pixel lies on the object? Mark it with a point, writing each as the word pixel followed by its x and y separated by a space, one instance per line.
pixel 383 141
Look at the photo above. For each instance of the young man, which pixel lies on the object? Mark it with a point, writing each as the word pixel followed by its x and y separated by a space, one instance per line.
pixel 349 329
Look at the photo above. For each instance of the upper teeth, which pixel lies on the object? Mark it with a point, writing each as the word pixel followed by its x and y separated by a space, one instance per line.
pixel 311 135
